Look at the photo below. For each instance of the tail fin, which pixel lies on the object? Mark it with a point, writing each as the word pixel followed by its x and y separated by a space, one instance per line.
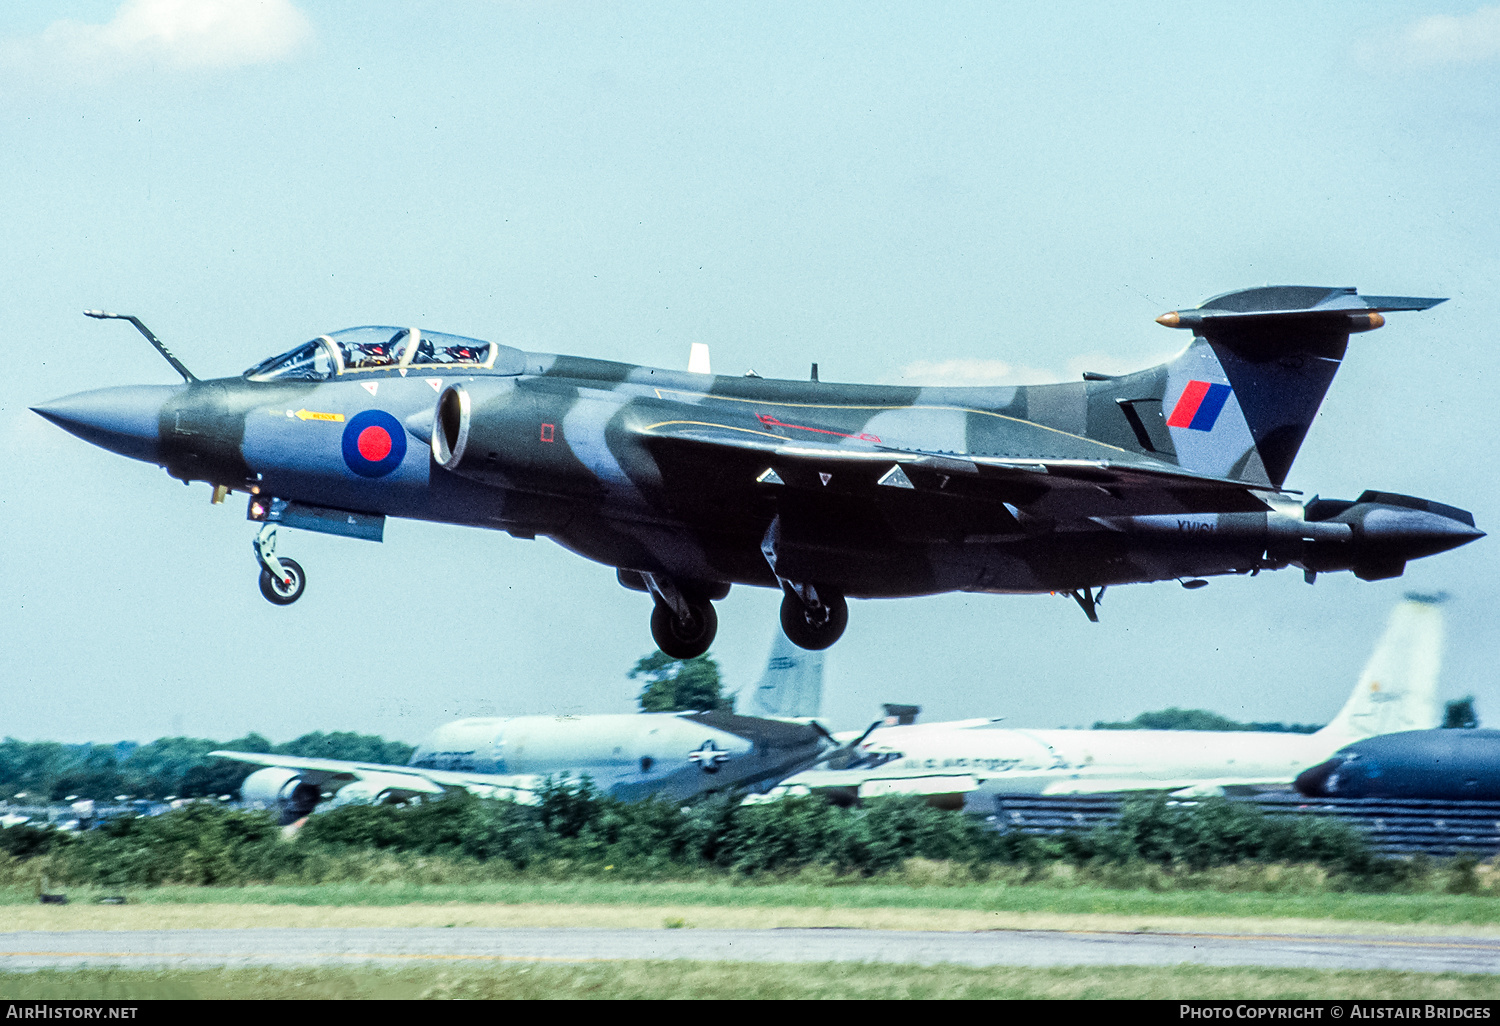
pixel 792 686
pixel 1239 400
pixel 1398 689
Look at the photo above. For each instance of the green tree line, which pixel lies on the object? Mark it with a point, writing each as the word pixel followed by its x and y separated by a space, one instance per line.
pixel 180 766
pixel 168 766
pixel 1458 713
pixel 1200 719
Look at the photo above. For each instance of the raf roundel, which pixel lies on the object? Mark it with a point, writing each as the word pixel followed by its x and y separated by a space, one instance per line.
pixel 374 443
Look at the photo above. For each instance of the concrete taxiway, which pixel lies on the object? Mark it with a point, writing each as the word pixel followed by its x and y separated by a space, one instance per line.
pixel 311 946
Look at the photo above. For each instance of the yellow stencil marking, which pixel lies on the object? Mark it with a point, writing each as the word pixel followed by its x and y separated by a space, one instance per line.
pixel 667 393
pixel 336 418
pixel 724 427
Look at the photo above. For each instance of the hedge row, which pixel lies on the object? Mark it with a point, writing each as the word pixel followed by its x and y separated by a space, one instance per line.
pixel 205 843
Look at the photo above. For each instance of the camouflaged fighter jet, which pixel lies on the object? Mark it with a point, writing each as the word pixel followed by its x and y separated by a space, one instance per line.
pixel 689 482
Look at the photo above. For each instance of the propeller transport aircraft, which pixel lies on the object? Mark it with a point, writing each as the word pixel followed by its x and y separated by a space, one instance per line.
pixel 688 483
pixel 970 763
pixel 630 756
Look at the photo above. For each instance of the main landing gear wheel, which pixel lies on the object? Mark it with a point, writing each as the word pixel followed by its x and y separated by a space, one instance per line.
pixel 685 638
pixel 814 629
pixel 285 591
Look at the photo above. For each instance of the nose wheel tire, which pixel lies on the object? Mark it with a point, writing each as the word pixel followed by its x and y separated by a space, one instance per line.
pixel 283 592
pixel 684 639
pixel 812 629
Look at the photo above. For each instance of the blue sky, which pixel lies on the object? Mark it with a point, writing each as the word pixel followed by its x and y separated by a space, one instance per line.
pixel 904 193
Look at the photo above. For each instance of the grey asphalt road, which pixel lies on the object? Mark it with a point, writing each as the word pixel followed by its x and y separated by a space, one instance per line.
pixel 36 950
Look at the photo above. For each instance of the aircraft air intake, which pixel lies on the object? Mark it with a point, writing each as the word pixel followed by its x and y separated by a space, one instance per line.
pixel 450 426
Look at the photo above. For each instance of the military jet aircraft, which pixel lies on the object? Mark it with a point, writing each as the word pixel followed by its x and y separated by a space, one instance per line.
pixel 687 482
pixel 675 756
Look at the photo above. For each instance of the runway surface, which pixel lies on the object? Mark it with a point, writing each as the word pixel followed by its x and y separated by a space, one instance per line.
pixel 288 947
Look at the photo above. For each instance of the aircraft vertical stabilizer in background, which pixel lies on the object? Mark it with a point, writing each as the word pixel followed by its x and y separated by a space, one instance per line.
pixel 1398 689
pixel 792 687
pixel 630 756
pixel 970 762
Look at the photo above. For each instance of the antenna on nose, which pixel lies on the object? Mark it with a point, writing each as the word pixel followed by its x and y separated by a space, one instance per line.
pixel 177 366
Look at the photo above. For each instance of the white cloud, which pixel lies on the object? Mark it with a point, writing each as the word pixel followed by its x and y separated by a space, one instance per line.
pixel 975 371
pixel 970 371
pixel 1448 38
pixel 179 35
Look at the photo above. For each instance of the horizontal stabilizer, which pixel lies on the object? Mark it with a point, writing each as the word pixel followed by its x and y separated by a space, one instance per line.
pixel 1340 307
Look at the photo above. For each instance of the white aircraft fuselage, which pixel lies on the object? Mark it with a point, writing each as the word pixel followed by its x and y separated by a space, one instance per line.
pixel 938 758
pixel 961 762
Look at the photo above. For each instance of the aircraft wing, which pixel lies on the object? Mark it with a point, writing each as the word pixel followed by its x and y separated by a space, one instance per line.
pixel 872 784
pixel 405 778
pixel 1045 487
pixel 775 733
pixel 1203 785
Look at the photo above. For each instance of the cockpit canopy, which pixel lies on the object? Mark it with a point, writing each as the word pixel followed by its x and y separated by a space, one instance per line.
pixel 372 348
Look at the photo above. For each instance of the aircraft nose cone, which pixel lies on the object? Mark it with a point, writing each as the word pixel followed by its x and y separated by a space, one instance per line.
pixel 1313 781
pixel 123 420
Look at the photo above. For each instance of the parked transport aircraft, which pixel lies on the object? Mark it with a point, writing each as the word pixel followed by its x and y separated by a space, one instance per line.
pixel 970 763
pixel 674 755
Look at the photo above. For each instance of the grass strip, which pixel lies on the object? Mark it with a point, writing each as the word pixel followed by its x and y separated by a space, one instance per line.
pixel 197 916
pixel 674 979
pixel 1431 909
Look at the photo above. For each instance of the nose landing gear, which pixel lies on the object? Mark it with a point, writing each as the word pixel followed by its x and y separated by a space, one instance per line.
pixel 282 581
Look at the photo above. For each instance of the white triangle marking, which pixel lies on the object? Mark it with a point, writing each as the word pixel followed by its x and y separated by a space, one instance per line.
pixel 825 476
pixel 896 478
pixel 370 386
pixel 436 383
